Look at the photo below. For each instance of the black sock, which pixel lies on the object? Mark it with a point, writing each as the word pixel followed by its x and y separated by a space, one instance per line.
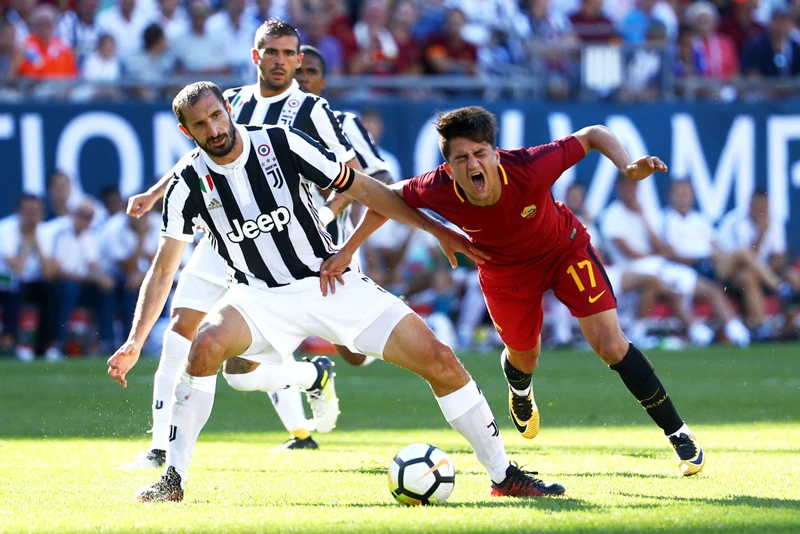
pixel 640 378
pixel 518 380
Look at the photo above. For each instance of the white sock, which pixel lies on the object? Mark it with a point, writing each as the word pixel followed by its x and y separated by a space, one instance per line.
pixel 682 430
pixel 469 414
pixel 288 404
pixel 522 392
pixel 270 377
pixel 194 398
pixel 174 355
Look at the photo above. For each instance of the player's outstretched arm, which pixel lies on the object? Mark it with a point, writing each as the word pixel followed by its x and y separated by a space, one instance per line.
pixel 140 204
pixel 387 202
pixel 152 297
pixel 604 141
pixel 334 267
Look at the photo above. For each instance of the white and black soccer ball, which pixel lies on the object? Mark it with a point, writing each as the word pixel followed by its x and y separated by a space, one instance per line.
pixel 421 474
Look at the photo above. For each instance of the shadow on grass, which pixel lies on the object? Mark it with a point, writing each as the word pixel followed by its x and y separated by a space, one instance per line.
pixel 622 474
pixel 549 504
pixel 769 503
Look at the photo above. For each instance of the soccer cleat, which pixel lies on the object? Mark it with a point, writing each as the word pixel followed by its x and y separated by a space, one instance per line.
pixel 166 489
pixel 519 483
pixel 322 395
pixel 152 459
pixel 691 458
pixel 295 444
pixel 524 413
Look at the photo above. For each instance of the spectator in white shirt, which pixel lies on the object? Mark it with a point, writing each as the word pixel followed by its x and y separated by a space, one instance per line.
pixel 761 242
pixel 172 17
pixel 233 25
pixel 78 275
pixel 127 248
pixel 199 51
pixel 151 66
pixel 103 69
pixel 125 23
pixel 633 241
pixel 24 253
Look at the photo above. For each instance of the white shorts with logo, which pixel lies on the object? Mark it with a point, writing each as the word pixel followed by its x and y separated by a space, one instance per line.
pixel 281 318
pixel 203 281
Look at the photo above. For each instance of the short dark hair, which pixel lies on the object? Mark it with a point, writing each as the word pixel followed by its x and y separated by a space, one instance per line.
pixel 275 28
pixel 24 197
pixel 52 176
pixel 312 50
pixel 109 190
pixel 473 122
pixel 151 35
pixel 189 95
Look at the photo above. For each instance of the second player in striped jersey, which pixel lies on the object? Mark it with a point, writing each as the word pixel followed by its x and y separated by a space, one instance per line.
pixel 275 98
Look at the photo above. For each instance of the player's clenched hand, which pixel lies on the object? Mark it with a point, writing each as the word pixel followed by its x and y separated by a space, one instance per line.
pixel 123 361
pixel 140 204
pixel 451 242
pixel 644 167
pixel 332 270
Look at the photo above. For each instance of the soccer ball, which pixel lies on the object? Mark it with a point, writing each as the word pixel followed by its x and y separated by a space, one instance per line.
pixel 421 474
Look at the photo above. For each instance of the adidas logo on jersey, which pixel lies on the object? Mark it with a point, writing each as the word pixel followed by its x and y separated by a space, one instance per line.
pixel 276 220
pixel 214 204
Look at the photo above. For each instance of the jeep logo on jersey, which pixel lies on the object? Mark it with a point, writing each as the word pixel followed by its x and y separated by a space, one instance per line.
pixel 276 220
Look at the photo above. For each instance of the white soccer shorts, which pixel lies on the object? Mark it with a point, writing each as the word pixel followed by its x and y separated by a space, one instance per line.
pixel 281 318
pixel 203 281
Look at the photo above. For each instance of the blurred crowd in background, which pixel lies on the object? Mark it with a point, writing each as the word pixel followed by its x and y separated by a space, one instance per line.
pixel 71 266
pixel 631 50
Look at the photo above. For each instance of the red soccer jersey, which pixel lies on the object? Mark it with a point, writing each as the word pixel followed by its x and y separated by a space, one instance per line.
pixel 526 232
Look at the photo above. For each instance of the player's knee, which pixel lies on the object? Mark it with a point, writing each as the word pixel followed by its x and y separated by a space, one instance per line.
pixel 208 351
pixel 185 324
pixel 444 362
pixel 611 348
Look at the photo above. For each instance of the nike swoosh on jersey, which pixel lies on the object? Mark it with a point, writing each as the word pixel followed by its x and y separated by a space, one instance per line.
pixel 592 299
pixel 470 231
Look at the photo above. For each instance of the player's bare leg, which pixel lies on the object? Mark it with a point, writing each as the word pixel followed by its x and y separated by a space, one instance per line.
pixel 223 334
pixel 518 367
pixel 174 355
pixel 604 335
pixel 413 346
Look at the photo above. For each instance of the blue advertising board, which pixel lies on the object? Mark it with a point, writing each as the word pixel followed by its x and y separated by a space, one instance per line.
pixel 726 150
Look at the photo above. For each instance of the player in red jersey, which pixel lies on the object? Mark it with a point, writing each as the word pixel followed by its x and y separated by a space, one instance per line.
pixel 502 200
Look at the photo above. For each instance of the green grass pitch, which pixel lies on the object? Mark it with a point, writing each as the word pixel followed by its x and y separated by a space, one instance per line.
pixel 65 427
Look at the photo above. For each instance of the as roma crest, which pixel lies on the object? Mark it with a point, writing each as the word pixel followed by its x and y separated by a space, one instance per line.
pixel 529 212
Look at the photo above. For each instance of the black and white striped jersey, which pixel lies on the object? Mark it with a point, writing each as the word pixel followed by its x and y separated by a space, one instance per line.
pixel 306 112
pixel 367 153
pixel 258 210
pixel 309 114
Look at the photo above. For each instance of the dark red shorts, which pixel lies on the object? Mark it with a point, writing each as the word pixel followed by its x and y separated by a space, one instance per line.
pixel 579 281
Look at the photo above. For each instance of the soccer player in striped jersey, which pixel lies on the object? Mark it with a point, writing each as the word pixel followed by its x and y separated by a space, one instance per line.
pixel 250 186
pixel 311 77
pixel 275 98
